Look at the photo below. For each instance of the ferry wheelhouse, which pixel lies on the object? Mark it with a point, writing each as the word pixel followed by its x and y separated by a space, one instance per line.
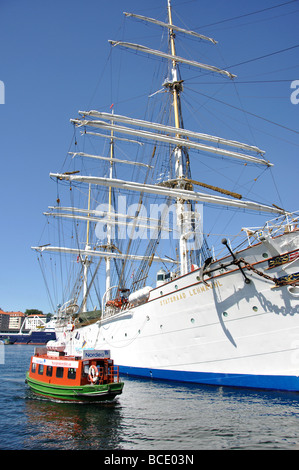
pixel 91 377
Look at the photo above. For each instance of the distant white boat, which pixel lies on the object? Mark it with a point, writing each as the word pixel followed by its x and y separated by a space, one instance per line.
pixel 40 333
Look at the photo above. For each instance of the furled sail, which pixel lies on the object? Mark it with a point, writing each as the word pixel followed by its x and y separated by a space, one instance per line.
pixel 170 129
pixel 102 254
pixel 115 160
pixel 171 26
pixel 178 141
pixel 173 192
pixel 163 55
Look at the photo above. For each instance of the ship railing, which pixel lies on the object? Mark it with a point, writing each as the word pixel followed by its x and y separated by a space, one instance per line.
pixel 283 224
pixel 237 242
pixel 111 311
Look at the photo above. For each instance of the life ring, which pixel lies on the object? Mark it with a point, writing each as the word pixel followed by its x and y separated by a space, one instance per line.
pixel 93 374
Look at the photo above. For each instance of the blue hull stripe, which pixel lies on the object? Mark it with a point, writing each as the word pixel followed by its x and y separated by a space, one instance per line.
pixel 35 337
pixel 266 382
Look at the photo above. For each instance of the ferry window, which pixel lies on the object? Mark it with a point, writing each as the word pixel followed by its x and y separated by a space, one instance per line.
pixel 71 374
pixel 41 369
pixel 49 371
pixel 160 277
pixel 33 367
pixel 59 372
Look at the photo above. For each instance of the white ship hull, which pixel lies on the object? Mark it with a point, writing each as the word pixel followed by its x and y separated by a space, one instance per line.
pixel 222 332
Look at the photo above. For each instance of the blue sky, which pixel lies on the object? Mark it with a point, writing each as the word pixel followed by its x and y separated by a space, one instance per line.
pixel 53 54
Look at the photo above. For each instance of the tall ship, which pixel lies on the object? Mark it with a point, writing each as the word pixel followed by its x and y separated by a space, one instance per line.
pixel 139 275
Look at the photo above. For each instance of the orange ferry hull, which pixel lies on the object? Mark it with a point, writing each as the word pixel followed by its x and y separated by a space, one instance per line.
pixel 90 378
pixel 76 393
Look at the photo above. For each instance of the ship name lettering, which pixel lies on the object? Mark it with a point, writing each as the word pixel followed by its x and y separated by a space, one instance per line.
pixel 173 298
pixel 204 288
pixel 194 291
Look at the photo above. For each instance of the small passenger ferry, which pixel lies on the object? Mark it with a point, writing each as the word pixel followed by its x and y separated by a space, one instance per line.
pixel 88 378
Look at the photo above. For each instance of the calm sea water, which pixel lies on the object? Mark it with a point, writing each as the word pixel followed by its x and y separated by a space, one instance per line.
pixel 149 415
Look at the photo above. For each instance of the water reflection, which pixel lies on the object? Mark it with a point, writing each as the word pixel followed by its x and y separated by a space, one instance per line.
pixel 166 416
pixel 70 426
pixel 150 415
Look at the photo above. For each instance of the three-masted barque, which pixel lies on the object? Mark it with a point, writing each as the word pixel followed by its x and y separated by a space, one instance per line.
pixel 230 319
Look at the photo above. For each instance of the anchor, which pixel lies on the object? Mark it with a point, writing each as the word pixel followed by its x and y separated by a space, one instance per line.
pixel 236 260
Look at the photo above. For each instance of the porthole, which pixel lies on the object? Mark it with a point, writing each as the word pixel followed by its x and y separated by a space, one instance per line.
pixel 294 290
pixel 125 334
pixel 192 320
pixel 265 255
pixel 225 314
pixel 176 286
pixel 255 309
pixel 161 292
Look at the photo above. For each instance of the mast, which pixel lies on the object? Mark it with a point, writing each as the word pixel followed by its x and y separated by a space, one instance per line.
pixel 175 87
pixel 108 259
pixel 86 261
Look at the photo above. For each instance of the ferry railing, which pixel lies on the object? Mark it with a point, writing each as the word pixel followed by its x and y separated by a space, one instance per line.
pixel 113 374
